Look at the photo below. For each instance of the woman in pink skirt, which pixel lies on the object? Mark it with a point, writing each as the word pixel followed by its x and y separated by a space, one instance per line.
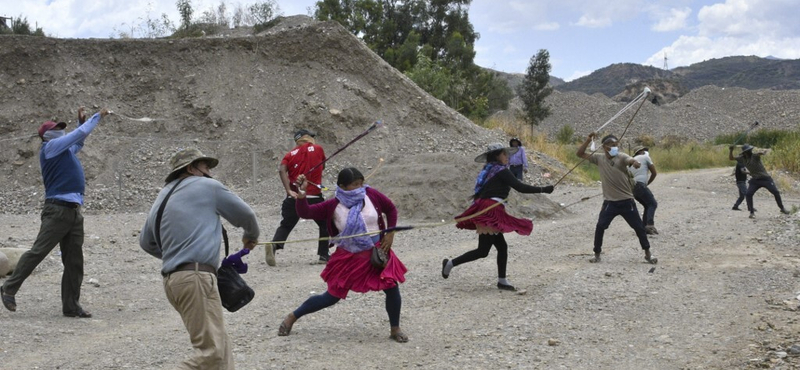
pixel 356 209
pixel 492 186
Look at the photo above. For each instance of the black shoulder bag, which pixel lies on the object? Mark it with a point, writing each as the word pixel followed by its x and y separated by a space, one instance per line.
pixel 233 290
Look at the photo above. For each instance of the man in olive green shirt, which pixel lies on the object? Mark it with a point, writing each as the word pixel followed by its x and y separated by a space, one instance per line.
pixel 759 177
pixel 617 192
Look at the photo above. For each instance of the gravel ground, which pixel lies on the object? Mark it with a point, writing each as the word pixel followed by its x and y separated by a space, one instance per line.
pixel 722 296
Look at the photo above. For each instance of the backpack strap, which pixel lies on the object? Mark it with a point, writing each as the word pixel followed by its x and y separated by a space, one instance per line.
pixel 161 212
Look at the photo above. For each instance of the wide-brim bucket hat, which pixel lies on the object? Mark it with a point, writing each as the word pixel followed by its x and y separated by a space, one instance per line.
pixel 746 148
pixel 493 147
pixel 186 157
pixel 639 149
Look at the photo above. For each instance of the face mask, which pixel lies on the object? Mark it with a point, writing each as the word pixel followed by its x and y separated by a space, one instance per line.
pixel 613 151
pixel 53 134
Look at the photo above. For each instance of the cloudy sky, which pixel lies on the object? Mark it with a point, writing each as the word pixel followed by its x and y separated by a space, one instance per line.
pixel 581 35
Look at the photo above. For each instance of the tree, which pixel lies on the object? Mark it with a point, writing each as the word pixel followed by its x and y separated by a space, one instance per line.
pixel 400 30
pixel 263 12
pixel 185 9
pixel 534 88
pixel 20 26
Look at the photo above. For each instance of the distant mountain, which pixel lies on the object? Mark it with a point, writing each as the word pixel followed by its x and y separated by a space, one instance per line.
pixel 748 72
pixel 613 79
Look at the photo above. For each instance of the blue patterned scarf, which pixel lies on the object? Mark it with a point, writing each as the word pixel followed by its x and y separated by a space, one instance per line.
pixel 488 171
pixel 354 200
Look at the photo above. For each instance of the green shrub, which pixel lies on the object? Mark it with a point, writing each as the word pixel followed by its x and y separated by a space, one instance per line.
pixel 645 140
pixel 565 134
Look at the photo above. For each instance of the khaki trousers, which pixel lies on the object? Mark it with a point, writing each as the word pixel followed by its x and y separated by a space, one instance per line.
pixel 194 294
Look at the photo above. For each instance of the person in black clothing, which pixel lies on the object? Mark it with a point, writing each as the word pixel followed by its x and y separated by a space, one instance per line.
pixel 489 219
pixel 759 177
pixel 741 182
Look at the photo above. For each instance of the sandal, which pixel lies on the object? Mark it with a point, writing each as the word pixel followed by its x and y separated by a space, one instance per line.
pixel 399 337
pixel 8 300
pixel 284 329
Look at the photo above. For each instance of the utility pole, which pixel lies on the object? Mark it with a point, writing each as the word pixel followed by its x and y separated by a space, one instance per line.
pixel 666 66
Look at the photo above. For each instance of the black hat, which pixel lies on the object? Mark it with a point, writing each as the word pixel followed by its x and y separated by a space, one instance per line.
pixel 303 132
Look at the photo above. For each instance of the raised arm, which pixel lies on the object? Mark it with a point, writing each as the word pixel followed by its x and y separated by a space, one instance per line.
pixel 582 149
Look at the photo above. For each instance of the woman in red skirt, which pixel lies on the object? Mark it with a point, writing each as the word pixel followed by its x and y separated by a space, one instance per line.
pixel 492 186
pixel 356 209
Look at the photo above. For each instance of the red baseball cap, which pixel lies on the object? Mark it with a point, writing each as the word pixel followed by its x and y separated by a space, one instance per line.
pixel 49 125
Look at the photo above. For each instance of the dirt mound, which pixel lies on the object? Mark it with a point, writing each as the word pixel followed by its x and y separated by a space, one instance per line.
pixel 237 98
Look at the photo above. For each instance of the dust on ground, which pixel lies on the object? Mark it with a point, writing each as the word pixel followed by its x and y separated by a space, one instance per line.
pixel 723 295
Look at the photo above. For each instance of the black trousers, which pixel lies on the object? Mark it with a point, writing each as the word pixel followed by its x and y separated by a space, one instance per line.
pixel 626 209
pixel 61 226
pixel 290 219
pixel 485 242
pixel 756 184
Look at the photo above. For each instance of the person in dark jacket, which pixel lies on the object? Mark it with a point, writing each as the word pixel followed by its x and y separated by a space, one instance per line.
pixel 62 220
pixel 489 219
pixel 759 177
pixel 740 174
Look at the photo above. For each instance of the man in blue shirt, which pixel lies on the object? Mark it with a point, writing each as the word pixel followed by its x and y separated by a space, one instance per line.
pixel 62 221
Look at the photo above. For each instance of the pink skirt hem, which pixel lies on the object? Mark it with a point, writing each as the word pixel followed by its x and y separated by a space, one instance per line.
pixel 347 271
pixel 496 219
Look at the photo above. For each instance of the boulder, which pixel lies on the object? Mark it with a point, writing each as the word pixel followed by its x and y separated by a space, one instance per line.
pixel 13 255
pixel 5 266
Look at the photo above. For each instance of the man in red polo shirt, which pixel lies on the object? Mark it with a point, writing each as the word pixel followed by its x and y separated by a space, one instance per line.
pixel 305 156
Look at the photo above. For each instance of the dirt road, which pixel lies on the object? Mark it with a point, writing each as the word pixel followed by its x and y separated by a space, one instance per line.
pixel 722 296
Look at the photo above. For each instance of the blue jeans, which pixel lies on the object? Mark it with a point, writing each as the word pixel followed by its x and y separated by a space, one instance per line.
pixel 643 195
pixel 626 209
pixel 742 185
pixel 517 171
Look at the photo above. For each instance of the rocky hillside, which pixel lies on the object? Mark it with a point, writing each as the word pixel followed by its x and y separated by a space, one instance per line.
pixel 240 99
pixel 699 115
pixel 747 72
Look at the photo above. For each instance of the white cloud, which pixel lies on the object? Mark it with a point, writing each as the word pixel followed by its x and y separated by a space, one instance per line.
pixel 674 20
pixel 547 26
pixel 694 49
pixel 588 21
pixel 737 27
pixel 509 49
pixel 600 14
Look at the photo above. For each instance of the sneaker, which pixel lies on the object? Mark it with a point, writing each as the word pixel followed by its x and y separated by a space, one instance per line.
pixel 81 314
pixel 785 211
pixel 752 215
pixel 736 209
pixel 323 260
pixel 270 254
pixel 651 259
pixel 595 259
pixel 650 230
pixel 502 286
pixel 445 272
